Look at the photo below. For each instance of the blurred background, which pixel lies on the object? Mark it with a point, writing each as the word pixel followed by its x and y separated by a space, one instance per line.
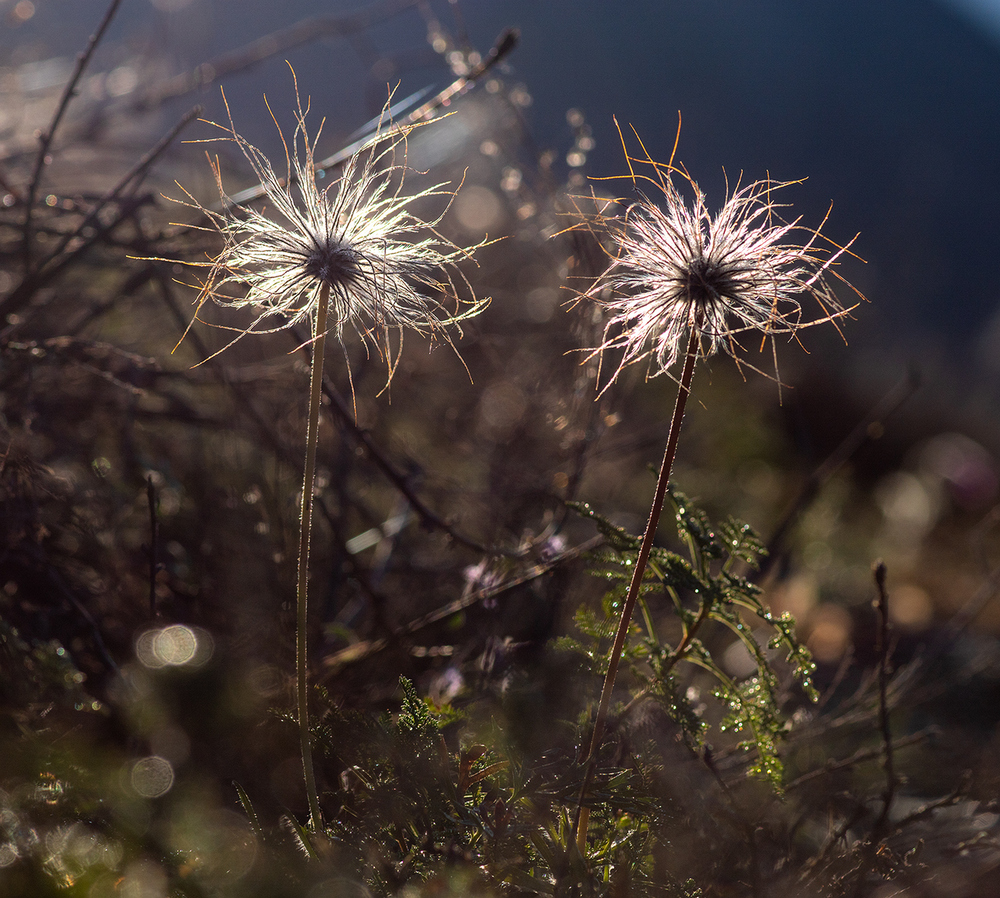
pixel 888 109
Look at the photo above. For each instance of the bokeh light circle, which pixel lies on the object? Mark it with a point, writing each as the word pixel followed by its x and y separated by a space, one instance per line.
pixel 152 776
pixel 176 645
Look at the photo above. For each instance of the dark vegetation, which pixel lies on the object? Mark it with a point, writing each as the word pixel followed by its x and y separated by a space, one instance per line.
pixel 473 539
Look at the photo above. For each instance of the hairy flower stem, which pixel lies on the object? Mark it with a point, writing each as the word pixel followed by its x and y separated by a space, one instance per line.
pixel 305 532
pixel 666 466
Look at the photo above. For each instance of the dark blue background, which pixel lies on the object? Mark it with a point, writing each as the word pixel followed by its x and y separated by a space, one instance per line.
pixel 889 108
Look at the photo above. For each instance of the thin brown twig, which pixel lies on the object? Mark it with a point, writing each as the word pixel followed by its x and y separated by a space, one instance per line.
pixel 866 429
pixel 134 176
pixel 61 587
pixel 22 295
pixel 748 827
pixel 961 621
pixel 47 137
pixel 398 478
pixel 154 538
pixel 835 836
pixel 871 845
pixel 504 44
pixel 860 756
pixel 360 651
pixel 956 795
pixel 302 32
pixel 846 663
pixel 882 648
pixel 58 260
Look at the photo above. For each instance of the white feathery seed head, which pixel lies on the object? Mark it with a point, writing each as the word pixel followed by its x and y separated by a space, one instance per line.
pixel 386 269
pixel 676 268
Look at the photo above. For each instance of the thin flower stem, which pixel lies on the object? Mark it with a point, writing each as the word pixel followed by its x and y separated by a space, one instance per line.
pixel 683 391
pixel 305 532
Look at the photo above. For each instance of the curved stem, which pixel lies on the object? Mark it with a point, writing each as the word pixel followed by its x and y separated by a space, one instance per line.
pixel 683 391
pixel 305 532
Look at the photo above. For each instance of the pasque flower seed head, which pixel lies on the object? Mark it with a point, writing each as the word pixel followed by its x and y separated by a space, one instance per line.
pixel 676 268
pixel 386 268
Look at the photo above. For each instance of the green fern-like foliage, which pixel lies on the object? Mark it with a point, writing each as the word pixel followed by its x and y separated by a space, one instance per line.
pixel 424 788
pixel 707 586
pixel 411 804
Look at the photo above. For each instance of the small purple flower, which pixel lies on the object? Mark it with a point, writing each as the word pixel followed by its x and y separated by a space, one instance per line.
pixel 483 577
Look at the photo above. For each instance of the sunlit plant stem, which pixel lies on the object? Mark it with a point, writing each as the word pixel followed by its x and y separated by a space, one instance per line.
pixel 666 466
pixel 305 532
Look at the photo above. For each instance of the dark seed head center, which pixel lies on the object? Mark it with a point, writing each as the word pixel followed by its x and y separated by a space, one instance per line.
pixel 334 263
pixel 706 281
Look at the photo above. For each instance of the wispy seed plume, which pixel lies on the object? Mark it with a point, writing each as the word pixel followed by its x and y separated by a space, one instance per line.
pixel 676 268
pixel 386 269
